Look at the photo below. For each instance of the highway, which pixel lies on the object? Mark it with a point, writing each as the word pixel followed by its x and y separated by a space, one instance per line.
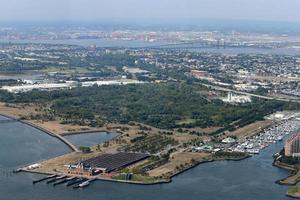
pixel 249 94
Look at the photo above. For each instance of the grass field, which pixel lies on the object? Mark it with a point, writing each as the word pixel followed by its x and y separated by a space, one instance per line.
pixel 176 160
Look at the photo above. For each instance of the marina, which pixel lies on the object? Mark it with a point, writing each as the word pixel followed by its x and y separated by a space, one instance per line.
pixel 68 181
pixel 266 137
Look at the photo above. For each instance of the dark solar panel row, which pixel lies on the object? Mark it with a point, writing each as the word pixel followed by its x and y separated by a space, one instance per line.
pixel 115 161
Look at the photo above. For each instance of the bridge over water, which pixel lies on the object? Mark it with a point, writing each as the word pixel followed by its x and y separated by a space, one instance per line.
pixel 191 44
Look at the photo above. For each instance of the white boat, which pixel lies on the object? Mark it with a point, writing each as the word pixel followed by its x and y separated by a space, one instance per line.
pixel 253 151
pixel 84 184
pixel 70 178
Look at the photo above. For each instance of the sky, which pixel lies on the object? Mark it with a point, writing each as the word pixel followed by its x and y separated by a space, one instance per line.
pixel 63 10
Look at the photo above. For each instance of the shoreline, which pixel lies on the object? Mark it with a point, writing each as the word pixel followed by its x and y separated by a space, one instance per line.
pixel 292 196
pixel 60 136
pixel 168 180
pixel 206 161
pixel 160 181
pixel 23 169
pixel 103 179
pixel 52 134
pixel 291 180
pixel 90 131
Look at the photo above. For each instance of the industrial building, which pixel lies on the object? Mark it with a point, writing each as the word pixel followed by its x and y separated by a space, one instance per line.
pixel 236 98
pixel 105 163
pixel 81 170
pixel 203 75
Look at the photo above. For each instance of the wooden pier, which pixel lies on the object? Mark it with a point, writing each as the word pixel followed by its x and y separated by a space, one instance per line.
pixel 64 181
pixel 44 179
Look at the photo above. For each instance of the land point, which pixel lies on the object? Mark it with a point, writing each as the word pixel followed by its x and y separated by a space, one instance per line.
pixel 139 158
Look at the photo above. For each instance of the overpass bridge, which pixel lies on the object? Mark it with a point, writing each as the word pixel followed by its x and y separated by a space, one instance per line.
pixel 250 94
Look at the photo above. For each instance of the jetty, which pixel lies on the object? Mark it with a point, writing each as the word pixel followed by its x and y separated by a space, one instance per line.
pixel 61 138
pixel 64 181
pixel 83 183
pixel 57 178
pixel 44 179
pixel 76 181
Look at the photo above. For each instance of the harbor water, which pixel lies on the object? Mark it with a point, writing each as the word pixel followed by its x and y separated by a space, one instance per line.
pixel 249 179
pixel 90 139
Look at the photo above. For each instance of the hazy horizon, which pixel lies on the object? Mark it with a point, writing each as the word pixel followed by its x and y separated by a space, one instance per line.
pixel 168 10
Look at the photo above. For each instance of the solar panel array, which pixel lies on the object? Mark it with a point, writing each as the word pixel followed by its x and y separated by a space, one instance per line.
pixel 112 162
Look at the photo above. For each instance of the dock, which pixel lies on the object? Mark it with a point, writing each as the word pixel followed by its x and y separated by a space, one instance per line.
pixel 64 181
pixel 84 183
pixel 44 179
pixel 57 178
pixel 17 170
pixel 76 182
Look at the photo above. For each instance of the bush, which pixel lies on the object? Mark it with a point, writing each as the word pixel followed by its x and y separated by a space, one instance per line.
pixel 85 149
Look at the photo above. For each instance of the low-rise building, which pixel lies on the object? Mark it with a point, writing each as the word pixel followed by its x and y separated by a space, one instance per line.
pixel 80 169
pixel 236 98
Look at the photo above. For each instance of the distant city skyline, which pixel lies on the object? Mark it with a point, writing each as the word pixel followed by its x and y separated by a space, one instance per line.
pixel 62 10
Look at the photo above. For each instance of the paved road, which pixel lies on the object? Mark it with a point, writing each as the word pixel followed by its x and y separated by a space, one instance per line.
pixel 250 94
